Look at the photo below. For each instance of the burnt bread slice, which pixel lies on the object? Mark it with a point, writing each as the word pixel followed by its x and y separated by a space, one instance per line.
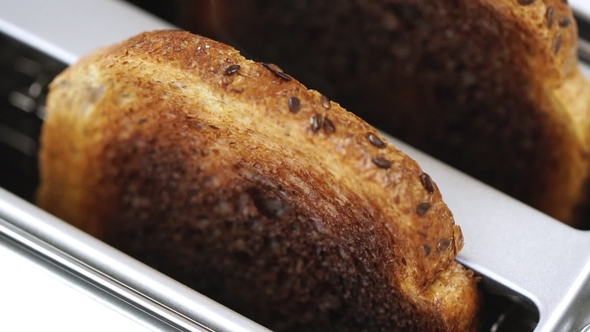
pixel 491 87
pixel 235 179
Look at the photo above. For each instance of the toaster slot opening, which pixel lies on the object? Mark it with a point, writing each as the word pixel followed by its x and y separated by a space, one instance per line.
pixel 584 47
pixel 24 75
pixel 505 310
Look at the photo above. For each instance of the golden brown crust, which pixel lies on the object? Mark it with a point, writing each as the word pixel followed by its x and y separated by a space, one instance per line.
pixel 163 147
pixel 490 86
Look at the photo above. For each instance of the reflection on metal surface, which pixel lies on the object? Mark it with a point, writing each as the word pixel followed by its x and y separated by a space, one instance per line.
pixel 30 288
pixel 97 279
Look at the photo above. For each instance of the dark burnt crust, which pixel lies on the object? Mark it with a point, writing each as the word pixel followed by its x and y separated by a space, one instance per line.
pixel 465 81
pixel 186 192
pixel 260 242
pixel 262 87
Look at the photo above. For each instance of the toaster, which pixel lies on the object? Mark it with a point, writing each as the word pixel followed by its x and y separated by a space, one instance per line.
pixel 535 271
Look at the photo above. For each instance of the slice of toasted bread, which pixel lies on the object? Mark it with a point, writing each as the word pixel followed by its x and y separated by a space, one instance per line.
pixel 237 180
pixel 491 87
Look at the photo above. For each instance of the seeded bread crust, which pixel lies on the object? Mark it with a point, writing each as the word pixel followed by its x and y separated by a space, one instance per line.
pixel 491 87
pixel 247 186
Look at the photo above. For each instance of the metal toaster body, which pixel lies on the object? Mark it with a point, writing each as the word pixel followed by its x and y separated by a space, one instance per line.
pixel 540 265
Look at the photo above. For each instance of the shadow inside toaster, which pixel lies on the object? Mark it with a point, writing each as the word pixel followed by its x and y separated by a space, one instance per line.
pixel 24 75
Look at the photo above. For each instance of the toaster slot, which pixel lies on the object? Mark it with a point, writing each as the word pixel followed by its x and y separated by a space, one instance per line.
pixel 24 76
pixel 584 47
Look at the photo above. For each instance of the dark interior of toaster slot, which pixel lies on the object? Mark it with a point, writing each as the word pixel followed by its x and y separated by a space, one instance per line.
pixel 24 76
pixel 584 30
pixel 505 310
pixel 583 27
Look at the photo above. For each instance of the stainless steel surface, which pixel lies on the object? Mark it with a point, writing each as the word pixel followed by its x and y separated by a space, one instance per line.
pixel 67 29
pixel 519 251
pixel 67 286
pixel 581 7
pixel 167 320
pixel 30 286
